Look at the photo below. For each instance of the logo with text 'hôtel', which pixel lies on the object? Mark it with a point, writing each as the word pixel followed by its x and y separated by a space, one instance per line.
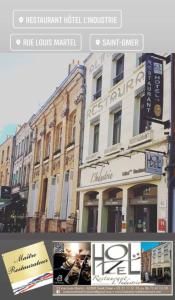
pixel 116 263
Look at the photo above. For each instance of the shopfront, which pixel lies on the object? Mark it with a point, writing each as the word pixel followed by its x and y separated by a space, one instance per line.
pixel 90 214
pixel 115 200
pixel 142 211
pixel 112 210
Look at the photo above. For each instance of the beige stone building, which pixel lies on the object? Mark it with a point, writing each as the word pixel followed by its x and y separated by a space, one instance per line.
pixel 6 150
pixel 57 127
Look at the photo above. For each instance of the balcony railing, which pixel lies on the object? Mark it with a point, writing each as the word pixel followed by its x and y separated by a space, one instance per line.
pixel 141 138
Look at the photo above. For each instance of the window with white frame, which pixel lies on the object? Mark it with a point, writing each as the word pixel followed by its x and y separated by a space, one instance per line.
pixel 2 157
pixel 96 137
pixel 73 128
pixel 139 58
pixel 116 127
pixel 58 137
pixel 47 145
pixel 118 68
pixel 140 123
pixel 97 85
pixel 38 151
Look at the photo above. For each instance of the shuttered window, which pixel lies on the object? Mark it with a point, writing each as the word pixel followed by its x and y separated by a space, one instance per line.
pixel 33 200
pixel 66 195
pixel 52 197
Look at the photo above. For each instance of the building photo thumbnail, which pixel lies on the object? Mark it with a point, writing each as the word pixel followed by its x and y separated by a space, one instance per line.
pixel 98 155
pixel 156 262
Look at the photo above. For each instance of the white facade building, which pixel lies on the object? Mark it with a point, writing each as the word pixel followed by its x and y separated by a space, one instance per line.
pixel 116 194
pixel 161 259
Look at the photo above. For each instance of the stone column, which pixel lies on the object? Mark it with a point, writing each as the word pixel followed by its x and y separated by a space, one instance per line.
pixel 81 210
pixel 100 207
pixel 162 206
pixel 124 209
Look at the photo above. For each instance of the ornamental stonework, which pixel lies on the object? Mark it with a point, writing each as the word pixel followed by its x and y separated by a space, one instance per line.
pixel 56 165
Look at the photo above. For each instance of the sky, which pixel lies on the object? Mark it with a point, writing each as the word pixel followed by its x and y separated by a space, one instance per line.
pixel 26 82
pixel 149 245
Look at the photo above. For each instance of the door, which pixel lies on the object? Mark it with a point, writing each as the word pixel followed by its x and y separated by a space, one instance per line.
pixel 44 195
pixel 92 219
pixel 114 219
pixel 145 218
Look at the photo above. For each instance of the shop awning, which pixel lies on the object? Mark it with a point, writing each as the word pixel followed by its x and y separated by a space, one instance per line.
pixel 4 203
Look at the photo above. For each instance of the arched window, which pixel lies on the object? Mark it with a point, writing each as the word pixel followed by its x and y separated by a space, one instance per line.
pixel 73 128
pixel 58 137
pixel 48 144
pixel 38 151
pixel 2 157
pixel 8 152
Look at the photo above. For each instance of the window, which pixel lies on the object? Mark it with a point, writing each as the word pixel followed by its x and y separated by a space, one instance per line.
pixel 13 179
pixel 140 123
pixel 24 177
pixel 2 157
pixel 119 69
pixel 96 137
pixel 16 152
pixel 38 151
pixel 144 125
pixel 19 149
pixel 17 178
pixel 27 175
pixel 73 128
pixel 98 86
pixel 22 147
pixel 27 145
pixel 20 175
pixel 58 138
pixel 117 127
pixel 8 152
pixel 48 144
pixel 139 58
pixel 30 145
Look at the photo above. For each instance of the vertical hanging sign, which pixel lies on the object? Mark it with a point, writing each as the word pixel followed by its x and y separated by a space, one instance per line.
pixel 153 88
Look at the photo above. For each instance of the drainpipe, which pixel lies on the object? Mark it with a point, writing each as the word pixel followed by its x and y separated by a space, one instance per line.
pixel 171 141
pixel 81 139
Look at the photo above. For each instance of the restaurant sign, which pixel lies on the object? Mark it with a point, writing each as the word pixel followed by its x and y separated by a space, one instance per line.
pixel 116 94
pixel 153 104
pixel 153 162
